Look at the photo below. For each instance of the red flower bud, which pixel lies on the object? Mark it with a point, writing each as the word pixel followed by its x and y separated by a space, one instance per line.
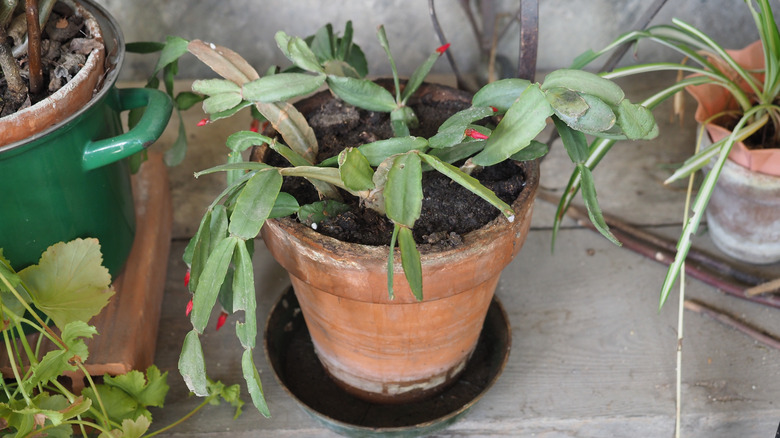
pixel 189 308
pixel 473 133
pixel 443 49
pixel 221 320
pixel 255 125
pixel 203 122
pixel 495 110
pixel 187 278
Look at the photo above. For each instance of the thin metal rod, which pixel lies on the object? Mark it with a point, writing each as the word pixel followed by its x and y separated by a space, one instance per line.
pixel 529 39
pixel 443 40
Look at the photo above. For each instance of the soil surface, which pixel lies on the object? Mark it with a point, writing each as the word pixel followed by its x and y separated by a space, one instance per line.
pixel 65 44
pixel 448 209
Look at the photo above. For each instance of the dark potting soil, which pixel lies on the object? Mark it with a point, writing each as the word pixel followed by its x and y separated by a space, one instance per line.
pixel 448 209
pixel 65 45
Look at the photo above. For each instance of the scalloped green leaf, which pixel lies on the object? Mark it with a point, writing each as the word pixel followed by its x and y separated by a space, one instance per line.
pixel 355 170
pixel 69 283
pixel 403 190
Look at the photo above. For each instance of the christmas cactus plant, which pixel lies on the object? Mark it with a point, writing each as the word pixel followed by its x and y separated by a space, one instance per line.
pixel 505 118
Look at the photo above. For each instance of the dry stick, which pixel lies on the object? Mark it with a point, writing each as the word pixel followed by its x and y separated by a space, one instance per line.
pixel 658 253
pixel 769 286
pixel 34 47
pixel 721 317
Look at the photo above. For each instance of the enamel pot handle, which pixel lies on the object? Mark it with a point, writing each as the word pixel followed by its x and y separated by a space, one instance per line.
pixel 153 122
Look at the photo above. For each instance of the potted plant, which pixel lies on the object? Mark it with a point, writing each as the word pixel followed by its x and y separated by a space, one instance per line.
pixel 381 177
pixel 68 286
pixel 738 106
pixel 61 153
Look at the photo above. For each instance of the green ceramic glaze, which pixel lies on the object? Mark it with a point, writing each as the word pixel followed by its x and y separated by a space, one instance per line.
pixel 72 180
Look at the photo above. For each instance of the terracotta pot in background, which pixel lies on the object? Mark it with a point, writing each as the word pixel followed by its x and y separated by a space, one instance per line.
pixel 397 350
pixel 743 215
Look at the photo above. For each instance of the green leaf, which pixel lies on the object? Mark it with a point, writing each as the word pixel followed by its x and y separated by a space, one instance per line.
pixel 192 366
pixel 253 384
pixel 470 183
pixel 231 394
pixel 410 260
pixel 378 151
pixel 293 127
pixel 229 112
pixel 146 390
pixel 403 190
pixel 186 100
pixel 135 428
pixel 533 151
pixel 500 94
pixel 69 283
pixel 174 48
pixel 211 87
pixel 281 87
pixel 566 102
pixel 221 102
pixel 244 295
pixel 211 280
pixel 243 140
pixel 462 119
pixel 402 119
pixel 322 43
pixel 391 262
pixel 574 142
pixel 302 56
pixel 636 121
pixel 362 93
pixel 592 204
pixel 597 119
pixel 285 205
pixel 357 60
pixel 176 153
pixel 319 211
pixel 521 124
pixel 254 204
pixel 418 76
pixel 56 362
pixel 462 151
pixel 355 170
pixel 584 82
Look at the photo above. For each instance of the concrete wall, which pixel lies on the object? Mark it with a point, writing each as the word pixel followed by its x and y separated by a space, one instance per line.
pixel 567 28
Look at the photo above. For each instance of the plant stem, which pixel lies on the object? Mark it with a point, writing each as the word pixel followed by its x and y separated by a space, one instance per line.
pixel 728 320
pixel 34 47
pixel 206 401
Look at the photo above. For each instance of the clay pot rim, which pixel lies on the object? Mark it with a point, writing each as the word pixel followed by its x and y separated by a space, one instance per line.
pixel 473 240
pixel 98 58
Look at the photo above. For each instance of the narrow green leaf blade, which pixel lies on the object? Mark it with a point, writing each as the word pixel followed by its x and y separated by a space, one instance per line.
pixel 281 87
pixel 244 296
pixel 355 170
pixel 253 384
pixel 254 204
pixel 362 93
pixel 410 260
pixel 403 190
pixel 378 151
pixel 192 365
pixel 521 124
pixel 500 94
pixel 592 204
pixel 211 280
pixel 470 183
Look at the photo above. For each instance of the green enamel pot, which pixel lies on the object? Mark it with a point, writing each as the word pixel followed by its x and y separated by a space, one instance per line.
pixel 72 180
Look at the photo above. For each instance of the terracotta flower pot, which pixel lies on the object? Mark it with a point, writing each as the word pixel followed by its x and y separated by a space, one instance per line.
pixel 713 99
pixel 397 350
pixel 742 215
